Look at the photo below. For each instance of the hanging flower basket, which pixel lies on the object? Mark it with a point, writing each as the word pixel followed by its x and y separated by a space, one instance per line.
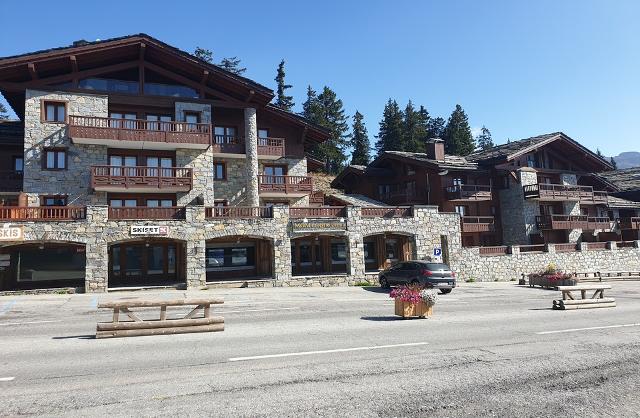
pixel 414 301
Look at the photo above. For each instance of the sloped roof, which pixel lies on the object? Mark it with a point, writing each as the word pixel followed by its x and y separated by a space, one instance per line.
pixel 625 180
pixel 356 200
pixel 450 161
pixel 617 202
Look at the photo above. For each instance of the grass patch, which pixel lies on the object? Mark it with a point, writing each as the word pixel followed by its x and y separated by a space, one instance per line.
pixel 470 280
pixel 362 283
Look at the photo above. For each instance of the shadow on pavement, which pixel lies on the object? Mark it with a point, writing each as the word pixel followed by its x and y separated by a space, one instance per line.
pixel 376 289
pixel 381 318
pixel 79 337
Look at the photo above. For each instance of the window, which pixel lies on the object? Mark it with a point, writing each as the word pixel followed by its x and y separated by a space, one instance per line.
pixel 53 200
pixel 369 251
pixel 458 181
pixel 391 247
pixel 119 203
pixel 128 121
pixel 230 257
pixel 55 159
pixel 158 122
pixel 273 174
pixel 219 171
pixel 18 164
pixel 338 252
pixel 117 162
pixel 462 210
pixel 531 161
pixel 220 203
pixel 263 133
pixel 192 119
pixel 384 191
pixel 224 135
pixel 54 111
pixel 159 203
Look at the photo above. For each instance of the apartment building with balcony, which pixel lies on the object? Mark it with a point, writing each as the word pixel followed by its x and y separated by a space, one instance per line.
pixel 544 189
pixel 152 134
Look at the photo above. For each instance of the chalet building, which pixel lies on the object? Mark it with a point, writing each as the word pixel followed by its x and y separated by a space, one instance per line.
pixel 136 164
pixel 545 189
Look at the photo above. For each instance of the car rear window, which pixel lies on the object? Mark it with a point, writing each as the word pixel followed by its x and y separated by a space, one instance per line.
pixel 436 266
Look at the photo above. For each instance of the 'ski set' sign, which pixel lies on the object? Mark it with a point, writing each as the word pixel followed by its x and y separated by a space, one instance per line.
pixel 149 230
pixel 12 233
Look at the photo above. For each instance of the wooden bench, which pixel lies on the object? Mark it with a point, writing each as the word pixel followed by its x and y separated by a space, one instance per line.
pixel 599 276
pixel 597 300
pixel 136 326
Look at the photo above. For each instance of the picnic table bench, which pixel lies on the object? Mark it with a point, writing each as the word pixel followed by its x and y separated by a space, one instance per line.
pixel 599 276
pixel 193 321
pixel 597 300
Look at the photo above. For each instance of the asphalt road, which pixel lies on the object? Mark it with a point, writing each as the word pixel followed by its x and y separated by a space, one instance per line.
pixel 493 349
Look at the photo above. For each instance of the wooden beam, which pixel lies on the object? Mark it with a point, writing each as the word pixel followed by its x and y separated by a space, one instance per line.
pixel 203 83
pixel 187 81
pixel 74 70
pixel 141 69
pixel 250 96
pixel 304 135
pixel 32 71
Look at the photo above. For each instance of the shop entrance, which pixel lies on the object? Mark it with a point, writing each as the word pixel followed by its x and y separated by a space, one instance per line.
pixel 384 250
pixel 42 265
pixel 146 263
pixel 319 254
pixel 234 258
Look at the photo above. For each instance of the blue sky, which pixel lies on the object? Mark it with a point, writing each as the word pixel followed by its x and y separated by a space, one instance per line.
pixel 521 68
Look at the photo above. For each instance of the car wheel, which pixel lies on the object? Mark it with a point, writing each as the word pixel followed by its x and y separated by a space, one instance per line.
pixel 445 291
pixel 384 283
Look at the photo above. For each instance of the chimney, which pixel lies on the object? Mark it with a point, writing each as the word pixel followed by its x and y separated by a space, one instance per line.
pixel 81 42
pixel 435 149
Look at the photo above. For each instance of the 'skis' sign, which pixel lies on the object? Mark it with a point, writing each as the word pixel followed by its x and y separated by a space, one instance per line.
pixel 12 233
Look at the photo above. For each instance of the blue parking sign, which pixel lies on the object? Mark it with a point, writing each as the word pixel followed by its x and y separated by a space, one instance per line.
pixel 437 251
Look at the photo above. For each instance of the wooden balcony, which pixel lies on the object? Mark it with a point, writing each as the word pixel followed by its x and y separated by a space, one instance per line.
pixel 43 213
pixel 106 178
pixel 562 222
pixel 599 222
pixel 561 192
pixel 234 147
pixel 496 250
pixel 144 212
pixel 139 133
pixel 285 186
pixel 387 212
pixel 403 197
pixel 11 181
pixel 474 192
pixel 629 223
pixel 238 212
pixel 318 212
pixel 478 223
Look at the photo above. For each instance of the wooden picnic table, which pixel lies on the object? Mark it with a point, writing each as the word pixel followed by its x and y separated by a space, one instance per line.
pixel 597 299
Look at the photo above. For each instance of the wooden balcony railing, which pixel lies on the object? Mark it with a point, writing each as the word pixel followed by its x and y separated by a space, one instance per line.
pixel 625 244
pixel 387 212
pixel 271 147
pixel 478 223
pixel 318 212
pixel 566 247
pixel 139 130
pixel 285 184
pixel 144 212
pixel 562 222
pixel 228 144
pixel 402 197
pixel 316 198
pixel 629 223
pixel 43 213
pixel 564 192
pixel 239 212
pixel 536 248
pixel 172 178
pixel 599 222
pixel 499 250
pixel 596 245
pixel 231 144
pixel 468 192
pixel 11 181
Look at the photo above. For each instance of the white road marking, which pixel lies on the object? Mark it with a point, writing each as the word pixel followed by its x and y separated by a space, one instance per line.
pixel 338 350
pixel 4 324
pixel 588 328
pixel 256 310
pixel 6 379
pixel 7 307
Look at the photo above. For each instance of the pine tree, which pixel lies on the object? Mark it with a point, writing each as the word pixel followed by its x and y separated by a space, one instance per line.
pixel 599 153
pixel 203 54
pixel 283 101
pixel 457 136
pixel 436 128
pixel 413 133
pixel 390 133
pixel 232 64
pixel 484 140
pixel 614 163
pixel 359 141
pixel 4 113
pixel 327 111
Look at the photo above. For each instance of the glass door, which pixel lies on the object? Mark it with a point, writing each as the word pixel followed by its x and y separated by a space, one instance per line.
pixel 164 163
pixel 117 162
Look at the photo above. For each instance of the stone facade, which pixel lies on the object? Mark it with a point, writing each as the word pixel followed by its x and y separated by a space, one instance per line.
pixel 251 148
pixel 511 266
pixel 519 215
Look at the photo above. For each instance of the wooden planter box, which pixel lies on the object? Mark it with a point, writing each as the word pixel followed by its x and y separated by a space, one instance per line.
pixel 549 284
pixel 409 310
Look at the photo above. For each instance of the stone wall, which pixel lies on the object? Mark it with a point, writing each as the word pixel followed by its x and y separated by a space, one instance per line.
pixel 511 266
pixel 518 215
pixel 75 180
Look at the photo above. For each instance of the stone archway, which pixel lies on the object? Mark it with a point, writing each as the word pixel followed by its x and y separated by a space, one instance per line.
pixel 42 264
pixel 317 254
pixel 385 249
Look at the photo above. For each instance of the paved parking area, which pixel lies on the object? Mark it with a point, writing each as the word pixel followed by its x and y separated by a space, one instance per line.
pixel 491 349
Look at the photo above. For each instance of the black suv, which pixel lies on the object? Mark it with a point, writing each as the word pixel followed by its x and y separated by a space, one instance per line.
pixel 429 274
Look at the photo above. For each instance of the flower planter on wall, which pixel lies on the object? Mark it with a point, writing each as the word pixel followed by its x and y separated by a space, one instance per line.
pixel 543 281
pixel 409 310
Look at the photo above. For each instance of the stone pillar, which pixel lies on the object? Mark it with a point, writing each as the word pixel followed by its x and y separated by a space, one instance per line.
pixel 281 244
pixel 519 214
pixel 251 146
pixel 97 267
pixel 571 208
pixel 356 243
pixel 196 264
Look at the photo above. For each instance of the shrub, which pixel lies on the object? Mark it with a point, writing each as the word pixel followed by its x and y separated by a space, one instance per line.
pixel 362 283
pixel 470 280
